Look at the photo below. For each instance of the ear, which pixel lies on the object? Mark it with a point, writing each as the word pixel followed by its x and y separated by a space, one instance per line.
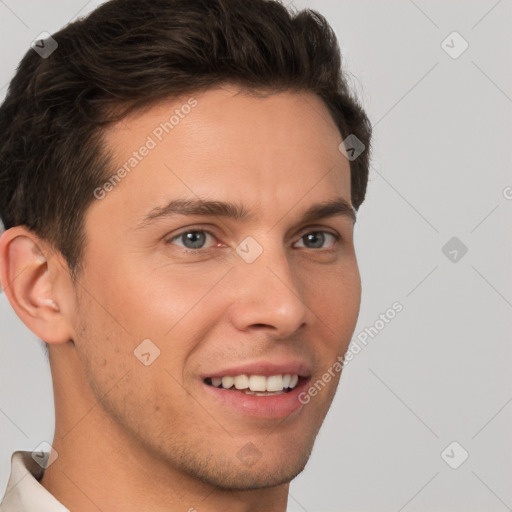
pixel 37 283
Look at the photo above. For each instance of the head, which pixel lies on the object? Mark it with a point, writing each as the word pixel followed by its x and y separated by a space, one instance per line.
pixel 150 107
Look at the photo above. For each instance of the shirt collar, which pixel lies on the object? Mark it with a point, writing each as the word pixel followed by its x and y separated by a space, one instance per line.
pixel 24 492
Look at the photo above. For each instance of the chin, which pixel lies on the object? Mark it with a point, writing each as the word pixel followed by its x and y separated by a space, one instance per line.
pixel 228 474
pixel 257 478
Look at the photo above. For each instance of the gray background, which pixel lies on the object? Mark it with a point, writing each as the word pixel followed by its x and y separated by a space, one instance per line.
pixel 440 370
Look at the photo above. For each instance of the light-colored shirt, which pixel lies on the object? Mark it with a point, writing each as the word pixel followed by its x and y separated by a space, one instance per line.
pixel 24 493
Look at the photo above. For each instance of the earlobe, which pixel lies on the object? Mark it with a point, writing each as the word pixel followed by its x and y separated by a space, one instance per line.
pixel 30 281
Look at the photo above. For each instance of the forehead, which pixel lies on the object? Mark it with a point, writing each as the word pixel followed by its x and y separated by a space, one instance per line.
pixel 223 144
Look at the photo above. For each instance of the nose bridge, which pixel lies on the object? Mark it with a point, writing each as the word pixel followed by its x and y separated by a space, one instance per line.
pixel 268 290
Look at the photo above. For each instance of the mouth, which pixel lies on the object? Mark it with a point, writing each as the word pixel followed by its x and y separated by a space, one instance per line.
pixel 258 396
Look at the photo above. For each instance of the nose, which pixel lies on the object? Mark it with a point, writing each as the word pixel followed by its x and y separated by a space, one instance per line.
pixel 268 295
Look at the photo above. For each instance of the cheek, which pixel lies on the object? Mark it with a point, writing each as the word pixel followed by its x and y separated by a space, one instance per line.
pixel 117 376
pixel 103 344
pixel 335 297
pixel 148 298
pixel 122 383
pixel 174 308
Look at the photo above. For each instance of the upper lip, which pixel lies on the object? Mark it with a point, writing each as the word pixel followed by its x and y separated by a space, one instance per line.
pixel 265 368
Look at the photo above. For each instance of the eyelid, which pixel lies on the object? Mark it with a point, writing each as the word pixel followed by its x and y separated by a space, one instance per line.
pixel 316 229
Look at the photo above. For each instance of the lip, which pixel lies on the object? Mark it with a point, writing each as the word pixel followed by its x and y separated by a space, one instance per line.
pixel 265 407
pixel 265 368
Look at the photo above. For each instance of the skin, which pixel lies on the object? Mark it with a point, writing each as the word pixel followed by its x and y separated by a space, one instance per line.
pixel 132 437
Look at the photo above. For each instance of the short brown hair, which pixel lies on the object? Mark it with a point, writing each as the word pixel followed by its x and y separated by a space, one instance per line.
pixel 128 54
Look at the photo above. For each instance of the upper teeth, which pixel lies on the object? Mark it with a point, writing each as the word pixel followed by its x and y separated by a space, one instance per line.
pixel 257 382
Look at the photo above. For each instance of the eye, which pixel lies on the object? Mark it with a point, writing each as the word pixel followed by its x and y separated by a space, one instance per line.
pixel 192 239
pixel 316 239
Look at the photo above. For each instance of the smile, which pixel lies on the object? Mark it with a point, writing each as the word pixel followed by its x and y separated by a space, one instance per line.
pixel 249 399
pixel 258 385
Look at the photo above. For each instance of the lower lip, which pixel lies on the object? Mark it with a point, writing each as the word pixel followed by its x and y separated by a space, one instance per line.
pixel 274 407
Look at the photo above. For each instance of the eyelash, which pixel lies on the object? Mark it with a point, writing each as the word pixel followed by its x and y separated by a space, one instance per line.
pixel 336 237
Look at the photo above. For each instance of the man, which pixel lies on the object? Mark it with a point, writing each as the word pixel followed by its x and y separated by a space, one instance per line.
pixel 179 181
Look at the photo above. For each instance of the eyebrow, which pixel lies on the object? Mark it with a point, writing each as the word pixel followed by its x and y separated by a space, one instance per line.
pixel 200 207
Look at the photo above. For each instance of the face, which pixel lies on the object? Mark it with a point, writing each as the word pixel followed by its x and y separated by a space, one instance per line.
pixel 178 298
